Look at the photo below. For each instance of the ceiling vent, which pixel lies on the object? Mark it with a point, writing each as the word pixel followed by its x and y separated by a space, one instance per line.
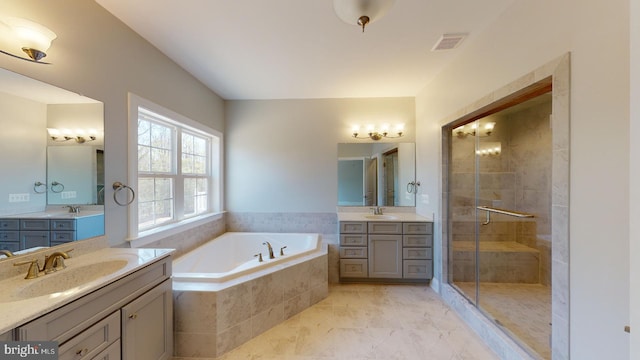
pixel 448 42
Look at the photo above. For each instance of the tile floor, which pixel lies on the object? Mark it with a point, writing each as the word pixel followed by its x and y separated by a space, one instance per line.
pixel 358 321
pixel 524 309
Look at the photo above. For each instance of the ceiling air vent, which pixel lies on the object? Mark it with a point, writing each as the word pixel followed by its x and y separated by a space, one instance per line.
pixel 448 42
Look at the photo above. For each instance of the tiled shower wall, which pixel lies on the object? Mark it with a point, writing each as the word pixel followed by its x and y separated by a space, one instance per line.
pixel 519 178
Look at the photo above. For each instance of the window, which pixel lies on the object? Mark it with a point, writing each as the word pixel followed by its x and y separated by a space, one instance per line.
pixel 177 168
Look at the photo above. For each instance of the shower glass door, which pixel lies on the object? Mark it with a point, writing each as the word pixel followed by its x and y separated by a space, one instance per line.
pixel 499 219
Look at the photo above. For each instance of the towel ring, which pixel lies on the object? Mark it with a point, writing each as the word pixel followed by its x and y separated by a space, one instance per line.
pixel 38 185
pixel 412 187
pixel 117 186
pixel 57 187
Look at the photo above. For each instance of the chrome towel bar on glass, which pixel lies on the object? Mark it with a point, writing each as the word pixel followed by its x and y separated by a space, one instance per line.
pixel 489 210
pixel 117 186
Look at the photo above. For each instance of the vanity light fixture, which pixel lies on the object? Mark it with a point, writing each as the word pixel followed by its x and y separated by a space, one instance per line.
pixel 472 129
pixel 79 135
pixel 18 33
pixel 375 134
pixel 361 12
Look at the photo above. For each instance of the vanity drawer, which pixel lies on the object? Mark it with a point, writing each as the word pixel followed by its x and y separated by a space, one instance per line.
pixel 9 236
pixel 417 240
pixel 63 224
pixel 383 227
pixel 353 227
pixel 417 228
pixel 353 240
pixel 34 224
pixel 63 236
pixel 417 269
pixel 354 268
pixel 110 353
pixel 6 224
pixel 93 340
pixel 11 246
pixel 353 252
pixel 417 253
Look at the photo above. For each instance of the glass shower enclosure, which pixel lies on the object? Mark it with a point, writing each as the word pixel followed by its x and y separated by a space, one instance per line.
pixel 499 218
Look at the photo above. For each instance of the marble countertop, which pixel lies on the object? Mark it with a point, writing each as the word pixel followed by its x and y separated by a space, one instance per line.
pixel 16 311
pixel 387 216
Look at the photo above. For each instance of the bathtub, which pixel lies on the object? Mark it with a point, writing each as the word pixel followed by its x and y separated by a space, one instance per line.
pixel 233 254
pixel 223 295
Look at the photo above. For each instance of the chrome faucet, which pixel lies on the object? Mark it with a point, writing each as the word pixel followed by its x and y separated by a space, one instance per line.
pixel 6 252
pixel 377 210
pixel 270 249
pixel 73 209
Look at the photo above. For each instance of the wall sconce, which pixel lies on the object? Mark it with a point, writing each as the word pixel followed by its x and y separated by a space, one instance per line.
pixel 472 129
pixel 33 38
pixel 374 134
pixel 79 135
pixel 489 149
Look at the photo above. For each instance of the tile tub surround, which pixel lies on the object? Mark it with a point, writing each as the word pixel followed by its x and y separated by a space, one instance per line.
pixel 209 323
pixel 366 321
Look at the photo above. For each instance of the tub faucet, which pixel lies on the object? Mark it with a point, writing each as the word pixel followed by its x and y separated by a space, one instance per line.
pixel 270 249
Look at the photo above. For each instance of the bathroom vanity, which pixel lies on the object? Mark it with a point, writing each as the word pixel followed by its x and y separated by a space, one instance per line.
pixel 25 231
pixel 393 247
pixel 107 304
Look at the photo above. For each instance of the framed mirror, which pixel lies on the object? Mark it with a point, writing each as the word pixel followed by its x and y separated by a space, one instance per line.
pixel 376 174
pixel 52 160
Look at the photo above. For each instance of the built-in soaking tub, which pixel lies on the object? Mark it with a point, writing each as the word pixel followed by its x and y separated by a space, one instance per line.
pixel 224 296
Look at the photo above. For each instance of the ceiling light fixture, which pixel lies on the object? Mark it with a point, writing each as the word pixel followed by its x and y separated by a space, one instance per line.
pixel 32 38
pixel 361 12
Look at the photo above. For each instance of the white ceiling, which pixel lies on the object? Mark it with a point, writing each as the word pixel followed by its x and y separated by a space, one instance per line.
pixel 287 49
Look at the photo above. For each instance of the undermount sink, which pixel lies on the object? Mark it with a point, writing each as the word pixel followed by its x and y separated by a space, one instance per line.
pixel 62 280
pixel 381 217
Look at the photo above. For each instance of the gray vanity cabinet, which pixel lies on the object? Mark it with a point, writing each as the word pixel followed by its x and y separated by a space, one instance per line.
pixel 9 235
pixel 417 250
pixel 353 249
pixel 145 324
pixel 385 250
pixel 129 319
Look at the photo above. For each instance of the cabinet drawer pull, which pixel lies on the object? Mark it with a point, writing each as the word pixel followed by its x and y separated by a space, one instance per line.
pixel 133 316
pixel 82 352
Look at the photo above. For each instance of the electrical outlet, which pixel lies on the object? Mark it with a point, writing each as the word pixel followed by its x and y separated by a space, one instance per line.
pixel 18 198
pixel 425 199
pixel 68 195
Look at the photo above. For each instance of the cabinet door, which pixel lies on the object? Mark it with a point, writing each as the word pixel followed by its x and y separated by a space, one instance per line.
pixel 385 256
pixel 147 325
pixel 29 239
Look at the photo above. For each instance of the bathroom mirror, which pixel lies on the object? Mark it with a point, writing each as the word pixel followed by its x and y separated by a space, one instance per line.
pixel 32 172
pixel 376 174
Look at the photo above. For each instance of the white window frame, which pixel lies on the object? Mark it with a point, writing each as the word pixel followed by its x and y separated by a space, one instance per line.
pixel 140 238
